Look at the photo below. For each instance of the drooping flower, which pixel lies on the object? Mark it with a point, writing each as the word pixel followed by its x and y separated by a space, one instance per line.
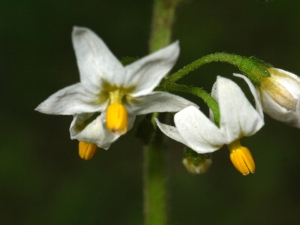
pixel 238 118
pixel 109 96
pixel 280 96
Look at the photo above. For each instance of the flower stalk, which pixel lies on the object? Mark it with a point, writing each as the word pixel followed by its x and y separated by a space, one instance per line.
pixel 155 206
pixel 155 199
pixel 207 98
pixel 162 23
pixel 253 68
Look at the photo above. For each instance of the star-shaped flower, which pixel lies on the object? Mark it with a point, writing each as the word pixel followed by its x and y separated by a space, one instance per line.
pixel 109 96
pixel 238 119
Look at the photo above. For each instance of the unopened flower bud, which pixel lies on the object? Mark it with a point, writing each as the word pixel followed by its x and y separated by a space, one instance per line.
pixel 196 163
pixel 280 94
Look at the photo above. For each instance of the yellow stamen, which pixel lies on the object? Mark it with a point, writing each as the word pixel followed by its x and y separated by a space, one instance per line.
pixel 241 158
pixel 116 118
pixel 87 150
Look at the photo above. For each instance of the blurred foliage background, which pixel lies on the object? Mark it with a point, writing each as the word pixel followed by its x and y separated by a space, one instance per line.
pixel 42 179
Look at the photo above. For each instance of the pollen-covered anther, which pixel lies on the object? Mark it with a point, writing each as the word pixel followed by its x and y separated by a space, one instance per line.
pixel 116 118
pixel 241 158
pixel 87 150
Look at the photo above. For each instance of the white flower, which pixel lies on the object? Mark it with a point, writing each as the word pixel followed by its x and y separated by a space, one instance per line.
pixel 109 96
pixel 280 96
pixel 238 119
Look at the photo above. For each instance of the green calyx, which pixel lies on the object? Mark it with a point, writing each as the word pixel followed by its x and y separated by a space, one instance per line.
pixel 195 157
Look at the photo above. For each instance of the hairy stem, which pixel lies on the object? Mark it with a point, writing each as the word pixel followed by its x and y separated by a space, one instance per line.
pixel 207 98
pixel 155 200
pixel 251 67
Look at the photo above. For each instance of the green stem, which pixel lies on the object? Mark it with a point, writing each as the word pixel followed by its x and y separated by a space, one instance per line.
pixel 155 200
pixel 155 204
pixel 251 67
pixel 162 23
pixel 207 98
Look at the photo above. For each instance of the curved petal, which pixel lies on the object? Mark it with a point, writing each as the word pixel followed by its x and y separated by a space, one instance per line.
pixel 238 116
pixel 146 73
pixel 158 102
pixel 171 132
pixel 69 101
pixel 288 80
pixel 94 132
pixel 200 134
pixel 258 105
pixel 95 61
pixel 280 113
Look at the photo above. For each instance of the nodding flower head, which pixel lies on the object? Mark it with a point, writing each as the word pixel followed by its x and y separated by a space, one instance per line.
pixel 238 118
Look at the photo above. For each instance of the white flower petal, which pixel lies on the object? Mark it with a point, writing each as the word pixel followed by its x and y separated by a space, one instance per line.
pixel 158 102
pixel 238 116
pixel 280 113
pixel 69 101
pixel 95 132
pixel 288 80
pixel 146 73
pixel 200 134
pixel 296 122
pixel 171 132
pixel 95 61
pixel 253 90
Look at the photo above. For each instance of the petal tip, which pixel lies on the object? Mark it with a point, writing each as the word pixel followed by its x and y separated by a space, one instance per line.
pixel 78 30
pixel 37 109
pixel 41 108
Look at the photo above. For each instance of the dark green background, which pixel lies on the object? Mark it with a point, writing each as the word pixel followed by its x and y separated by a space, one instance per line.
pixel 42 179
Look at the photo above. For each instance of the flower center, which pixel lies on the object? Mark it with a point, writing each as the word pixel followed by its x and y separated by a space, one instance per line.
pixel 87 150
pixel 116 114
pixel 241 158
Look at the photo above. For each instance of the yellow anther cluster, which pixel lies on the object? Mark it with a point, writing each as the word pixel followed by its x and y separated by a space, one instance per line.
pixel 116 118
pixel 87 150
pixel 241 158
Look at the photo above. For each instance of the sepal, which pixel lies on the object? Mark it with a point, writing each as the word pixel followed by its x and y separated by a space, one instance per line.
pixel 196 163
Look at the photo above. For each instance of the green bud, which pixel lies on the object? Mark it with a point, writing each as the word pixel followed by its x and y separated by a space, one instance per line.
pixel 196 163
